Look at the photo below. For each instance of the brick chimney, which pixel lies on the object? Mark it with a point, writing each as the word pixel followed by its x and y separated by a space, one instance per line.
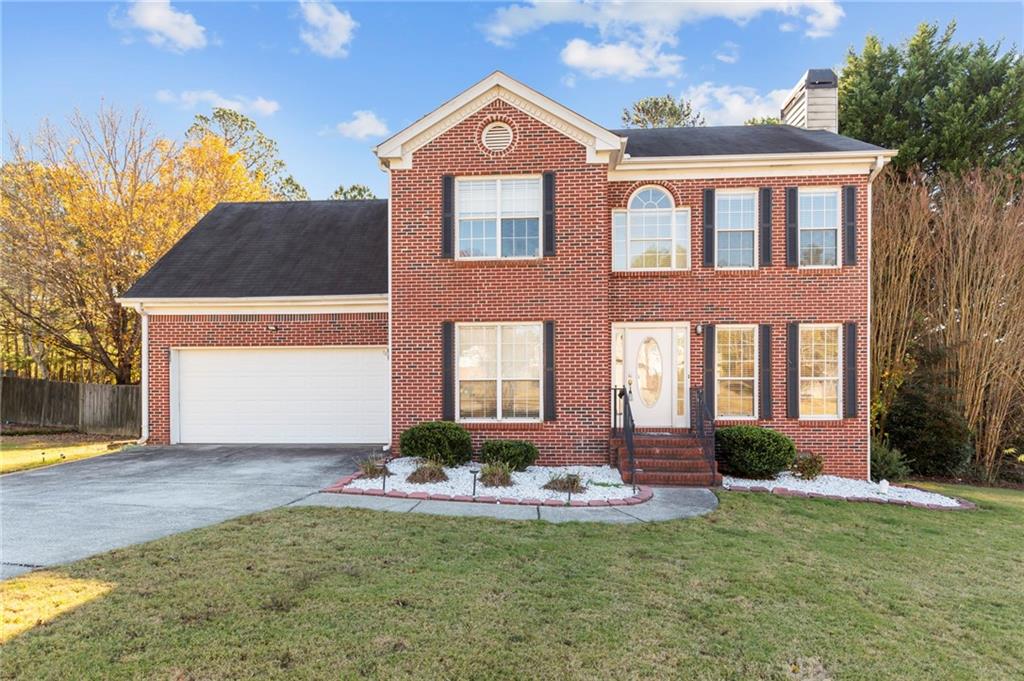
pixel 814 102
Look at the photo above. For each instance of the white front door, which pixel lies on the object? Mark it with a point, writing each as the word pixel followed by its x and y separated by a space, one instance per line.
pixel 650 375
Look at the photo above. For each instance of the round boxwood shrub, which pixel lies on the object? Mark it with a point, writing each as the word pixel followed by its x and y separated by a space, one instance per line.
pixel 752 452
pixel 442 442
pixel 518 454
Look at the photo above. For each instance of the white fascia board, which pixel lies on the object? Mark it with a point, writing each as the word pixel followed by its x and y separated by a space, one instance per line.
pixel 739 165
pixel 260 305
pixel 393 150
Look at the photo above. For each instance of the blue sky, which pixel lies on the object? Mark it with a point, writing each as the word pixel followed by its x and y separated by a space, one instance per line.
pixel 328 81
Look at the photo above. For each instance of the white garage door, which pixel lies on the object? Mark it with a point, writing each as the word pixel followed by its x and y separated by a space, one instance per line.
pixel 281 395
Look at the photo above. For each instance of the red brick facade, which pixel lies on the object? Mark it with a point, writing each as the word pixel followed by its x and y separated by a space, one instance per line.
pixel 577 289
pixel 253 330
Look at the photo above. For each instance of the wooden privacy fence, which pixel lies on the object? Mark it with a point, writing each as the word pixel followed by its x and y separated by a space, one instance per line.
pixel 88 407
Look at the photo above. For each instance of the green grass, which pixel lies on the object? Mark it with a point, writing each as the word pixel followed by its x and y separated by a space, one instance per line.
pixel 852 591
pixel 24 452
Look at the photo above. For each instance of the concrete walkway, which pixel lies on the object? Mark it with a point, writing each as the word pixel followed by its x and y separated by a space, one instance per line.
pixel 669 503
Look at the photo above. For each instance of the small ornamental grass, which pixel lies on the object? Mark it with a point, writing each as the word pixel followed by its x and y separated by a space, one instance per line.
pixel 808 466
pixel 373 468
pixel 498 474
pixel 428 471
pixel 569 482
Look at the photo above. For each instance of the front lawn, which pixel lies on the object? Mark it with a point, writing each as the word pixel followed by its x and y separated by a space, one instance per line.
pixel 22 452
pixel 765 587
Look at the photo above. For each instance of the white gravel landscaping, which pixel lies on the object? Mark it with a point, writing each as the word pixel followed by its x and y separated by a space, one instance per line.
pixel 602 482
pixel 846 488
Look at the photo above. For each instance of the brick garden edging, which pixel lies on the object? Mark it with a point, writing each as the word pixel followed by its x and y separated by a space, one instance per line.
pixel 964 505
pixel 644 493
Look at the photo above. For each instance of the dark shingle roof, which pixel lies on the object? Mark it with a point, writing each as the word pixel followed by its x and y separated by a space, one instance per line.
pixel 286 248
pixel 735 139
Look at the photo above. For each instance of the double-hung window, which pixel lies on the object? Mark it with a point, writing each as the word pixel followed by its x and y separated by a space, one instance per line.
pixel 499 371
pixel 652 234
pixel 736 229
pixel 735 371
pixel 820 370
pixel 498 218
pixel 818 220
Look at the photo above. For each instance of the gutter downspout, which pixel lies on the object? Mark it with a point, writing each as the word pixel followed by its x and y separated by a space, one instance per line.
pixel 880 162
pixel 144 374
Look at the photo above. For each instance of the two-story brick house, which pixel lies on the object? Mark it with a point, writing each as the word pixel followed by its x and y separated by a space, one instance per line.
pixel 527 262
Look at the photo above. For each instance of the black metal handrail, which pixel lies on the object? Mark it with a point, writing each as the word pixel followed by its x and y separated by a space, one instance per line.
pixel 702 423
pixel 628 428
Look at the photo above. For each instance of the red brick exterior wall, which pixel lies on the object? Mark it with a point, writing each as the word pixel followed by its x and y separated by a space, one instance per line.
pixel 577 289
pixel 252 330
pixel 773 294
pixel 570 288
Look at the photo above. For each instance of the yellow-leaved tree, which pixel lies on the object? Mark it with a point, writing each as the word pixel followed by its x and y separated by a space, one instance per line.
pixel 85 212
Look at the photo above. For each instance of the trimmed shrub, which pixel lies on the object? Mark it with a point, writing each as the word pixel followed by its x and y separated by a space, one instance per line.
pixel 808 466
pixel 442 442
pixel 887 463
pixel 752 452
pixel 518 454
pixel 428 471
pixel 373 468
pixel 570 482
pixel 497 474
pixel 926 425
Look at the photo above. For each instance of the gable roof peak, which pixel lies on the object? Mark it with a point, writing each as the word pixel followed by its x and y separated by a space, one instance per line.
pixel 396 151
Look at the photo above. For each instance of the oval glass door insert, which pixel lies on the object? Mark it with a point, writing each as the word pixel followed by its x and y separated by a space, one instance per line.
pixel 649 371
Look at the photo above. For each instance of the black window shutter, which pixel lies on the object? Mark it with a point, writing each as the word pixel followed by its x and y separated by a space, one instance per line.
pixel 549 214
pixel 448 216
pixel 709 367
pixel 849 225
pixel 709 228
pixel 765 356
pixel 550 413
pixel 792 231
pixel 849 370
pixel 766 225
pixel 793 370
pixel 448 371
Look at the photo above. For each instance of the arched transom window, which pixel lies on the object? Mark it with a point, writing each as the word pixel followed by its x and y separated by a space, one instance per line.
pixel 651 234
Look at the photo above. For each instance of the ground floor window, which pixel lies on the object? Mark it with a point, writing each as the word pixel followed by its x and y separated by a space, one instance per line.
pixel 499 371
pixel 735 371
pixel 820 372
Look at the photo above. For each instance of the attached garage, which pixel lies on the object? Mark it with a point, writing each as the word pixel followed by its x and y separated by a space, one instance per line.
pixel 280 395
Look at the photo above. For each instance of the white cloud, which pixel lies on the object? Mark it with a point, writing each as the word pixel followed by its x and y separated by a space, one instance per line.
pixel 363 124
pixel 191 99
pixel 621 60
pixel 328 30
pixel 733 104
pixel 729 52
pixel 569 80
pixel 788 27
pixel 165 26
pixel 635 37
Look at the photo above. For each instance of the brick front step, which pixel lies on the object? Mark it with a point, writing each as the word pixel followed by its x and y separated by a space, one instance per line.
pixel 670 464
pixel 702 479
pixel 658 441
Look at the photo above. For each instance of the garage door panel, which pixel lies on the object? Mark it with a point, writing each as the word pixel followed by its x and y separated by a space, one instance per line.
pixel 315 395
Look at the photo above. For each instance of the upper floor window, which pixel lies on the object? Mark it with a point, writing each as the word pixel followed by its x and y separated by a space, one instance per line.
pixel 735 229
pixel 818 220
pixel 652 234
pixel 498 218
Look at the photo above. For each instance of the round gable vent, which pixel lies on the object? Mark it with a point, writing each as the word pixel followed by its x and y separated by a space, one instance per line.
pixel 497 137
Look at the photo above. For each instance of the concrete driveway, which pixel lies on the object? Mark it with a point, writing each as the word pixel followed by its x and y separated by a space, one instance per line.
pixel 62 513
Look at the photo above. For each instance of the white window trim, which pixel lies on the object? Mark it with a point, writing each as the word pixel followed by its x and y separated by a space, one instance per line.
pixel 757 229
pixel 497 215
pixel 498 377
pixel 839 228
pixel 676 211
pixel 838 416
pixel 757 372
